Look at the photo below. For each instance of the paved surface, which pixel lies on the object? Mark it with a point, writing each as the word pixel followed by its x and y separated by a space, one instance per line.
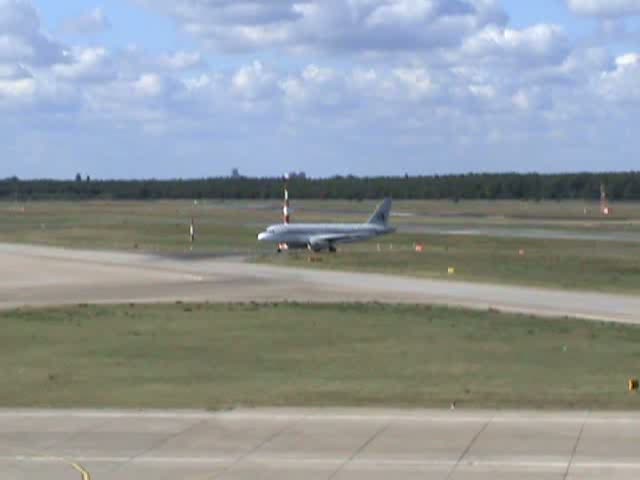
pixel 297 444
pixel 48 276
pixel 523 232
pixel 308 444
pixel 534 228
pixel 540 232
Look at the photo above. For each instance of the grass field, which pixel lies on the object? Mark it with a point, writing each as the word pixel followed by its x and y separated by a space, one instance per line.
pixel 232 225
pixel 145 226
pixel 221 356
pixel 567 264
pixel 230 228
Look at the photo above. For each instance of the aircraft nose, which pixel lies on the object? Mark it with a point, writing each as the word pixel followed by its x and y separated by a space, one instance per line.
pixel 263 236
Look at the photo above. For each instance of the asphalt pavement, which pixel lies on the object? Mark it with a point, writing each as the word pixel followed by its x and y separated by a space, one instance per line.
pixel 43 276
pixel 318 444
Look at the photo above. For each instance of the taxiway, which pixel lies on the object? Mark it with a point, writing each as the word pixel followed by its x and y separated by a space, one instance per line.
pixel 328 444
pixel 44 276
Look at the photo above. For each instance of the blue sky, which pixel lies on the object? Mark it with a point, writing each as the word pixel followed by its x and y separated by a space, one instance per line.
pixel 186 88
pixel 129 24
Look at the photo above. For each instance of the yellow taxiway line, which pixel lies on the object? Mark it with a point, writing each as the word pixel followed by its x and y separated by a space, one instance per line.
pixel 82 471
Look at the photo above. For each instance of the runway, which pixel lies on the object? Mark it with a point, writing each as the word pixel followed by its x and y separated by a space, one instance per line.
pixel 311 444
pixel 539 233
pixel 515 232
pixel 330 444
pixel 42 276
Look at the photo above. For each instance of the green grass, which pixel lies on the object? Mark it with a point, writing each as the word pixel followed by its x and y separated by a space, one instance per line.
pixel 219 356
pixel 568 264
pixel 230 227
pixel 144 226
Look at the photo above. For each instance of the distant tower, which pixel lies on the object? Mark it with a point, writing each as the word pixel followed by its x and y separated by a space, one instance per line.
pixel 604 202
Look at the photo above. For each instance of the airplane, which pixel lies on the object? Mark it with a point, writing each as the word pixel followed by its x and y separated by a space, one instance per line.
pixel 318 237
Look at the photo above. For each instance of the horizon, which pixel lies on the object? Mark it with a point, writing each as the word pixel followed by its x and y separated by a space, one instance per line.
pixel 330 87
pixel 85 177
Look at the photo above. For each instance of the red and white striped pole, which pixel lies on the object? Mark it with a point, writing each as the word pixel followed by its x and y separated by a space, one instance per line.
pixel 604 203
pixel 285 211
pixel 285 208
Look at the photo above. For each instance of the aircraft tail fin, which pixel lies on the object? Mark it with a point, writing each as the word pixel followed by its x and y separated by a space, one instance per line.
pixel 382 213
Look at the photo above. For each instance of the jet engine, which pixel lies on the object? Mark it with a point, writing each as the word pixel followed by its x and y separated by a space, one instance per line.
pixel 318 246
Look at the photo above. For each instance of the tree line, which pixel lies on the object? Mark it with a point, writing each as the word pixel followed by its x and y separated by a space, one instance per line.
pixel 584 186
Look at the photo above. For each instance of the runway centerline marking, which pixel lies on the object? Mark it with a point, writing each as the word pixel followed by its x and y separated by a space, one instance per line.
pixel 426 416
pixel 37 455
pixel 275 460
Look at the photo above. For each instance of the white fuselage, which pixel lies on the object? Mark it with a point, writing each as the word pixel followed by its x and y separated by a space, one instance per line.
pixel 319 236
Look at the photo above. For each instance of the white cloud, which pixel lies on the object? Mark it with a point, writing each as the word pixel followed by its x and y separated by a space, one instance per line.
pixel 21 38
pixel 415 81
pixel 181 60
pixel 254 82
pixel 294 90
pixel 149 85
pixel 316 74
pixel 532 99
pixel 378 79
pixel 539 43
pixel 363 78
pixel 13 48
pixel 316 89
pixel 605 8
pixel 9 71
pixel 331 25
pixel 486 92
pixel 622 84
pixel 22 88
pixel 628 60
pixel 18 17
pixel 87 64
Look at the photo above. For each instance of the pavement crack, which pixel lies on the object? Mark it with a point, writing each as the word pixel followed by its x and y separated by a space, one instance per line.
pixel 256 448
pixel 575 447
pixel 360 449
pixel 156 446
pixel 468 449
